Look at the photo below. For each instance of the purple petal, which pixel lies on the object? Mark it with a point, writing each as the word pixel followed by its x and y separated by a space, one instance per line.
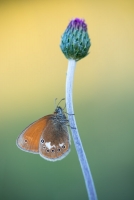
pixel 78 24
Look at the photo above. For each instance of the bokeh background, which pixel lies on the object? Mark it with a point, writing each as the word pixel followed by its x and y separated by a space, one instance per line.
pixel 32 75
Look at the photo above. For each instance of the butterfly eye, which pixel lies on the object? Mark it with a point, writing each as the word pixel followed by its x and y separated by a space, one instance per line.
pixel 63 146
pixel 42 141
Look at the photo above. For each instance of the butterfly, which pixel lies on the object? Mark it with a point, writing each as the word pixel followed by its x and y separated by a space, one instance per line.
pixel 47 136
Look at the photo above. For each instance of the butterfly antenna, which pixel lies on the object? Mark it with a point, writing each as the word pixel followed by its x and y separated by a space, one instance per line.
pixel 64 106
pixel 60 101
pixel 55 102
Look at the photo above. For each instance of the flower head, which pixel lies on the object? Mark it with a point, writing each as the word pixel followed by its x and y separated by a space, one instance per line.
pixel 75 41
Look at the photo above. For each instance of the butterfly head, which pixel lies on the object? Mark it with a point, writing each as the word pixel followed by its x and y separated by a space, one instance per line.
pixel 59 110
pixel 60 116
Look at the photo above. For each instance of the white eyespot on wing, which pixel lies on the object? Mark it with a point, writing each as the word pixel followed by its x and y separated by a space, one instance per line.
pixel 61 144
pixel 48 145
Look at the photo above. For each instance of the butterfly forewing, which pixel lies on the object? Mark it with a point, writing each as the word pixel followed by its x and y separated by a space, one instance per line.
pixel 30 137
pixel 54 141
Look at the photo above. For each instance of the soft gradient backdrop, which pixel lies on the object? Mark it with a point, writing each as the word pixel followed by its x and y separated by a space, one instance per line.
pixel 32 75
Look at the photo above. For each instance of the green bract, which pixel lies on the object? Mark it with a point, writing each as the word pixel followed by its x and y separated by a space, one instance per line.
pixel 75 41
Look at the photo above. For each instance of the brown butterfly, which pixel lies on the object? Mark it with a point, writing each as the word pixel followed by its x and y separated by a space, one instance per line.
pixel 47 136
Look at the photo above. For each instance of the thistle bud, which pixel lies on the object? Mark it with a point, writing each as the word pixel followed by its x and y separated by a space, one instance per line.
pixel 75 41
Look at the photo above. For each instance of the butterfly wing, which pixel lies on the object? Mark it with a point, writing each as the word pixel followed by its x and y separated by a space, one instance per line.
pixel 54 142
pixel 29 139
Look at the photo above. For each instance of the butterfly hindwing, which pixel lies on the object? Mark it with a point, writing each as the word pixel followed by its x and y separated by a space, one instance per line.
pixel 54 142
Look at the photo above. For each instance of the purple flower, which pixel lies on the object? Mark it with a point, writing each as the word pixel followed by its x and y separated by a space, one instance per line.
pixel 78 24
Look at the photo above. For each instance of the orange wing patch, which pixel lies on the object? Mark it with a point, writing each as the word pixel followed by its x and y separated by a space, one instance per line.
pixel 30 137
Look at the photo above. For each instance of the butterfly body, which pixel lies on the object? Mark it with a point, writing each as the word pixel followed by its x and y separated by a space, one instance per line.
pixel 47 136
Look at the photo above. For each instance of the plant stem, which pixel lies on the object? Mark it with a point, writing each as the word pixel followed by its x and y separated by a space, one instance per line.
pixel 75 134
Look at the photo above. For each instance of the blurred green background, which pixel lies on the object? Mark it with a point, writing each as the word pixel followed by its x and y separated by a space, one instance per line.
pixel 32 75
